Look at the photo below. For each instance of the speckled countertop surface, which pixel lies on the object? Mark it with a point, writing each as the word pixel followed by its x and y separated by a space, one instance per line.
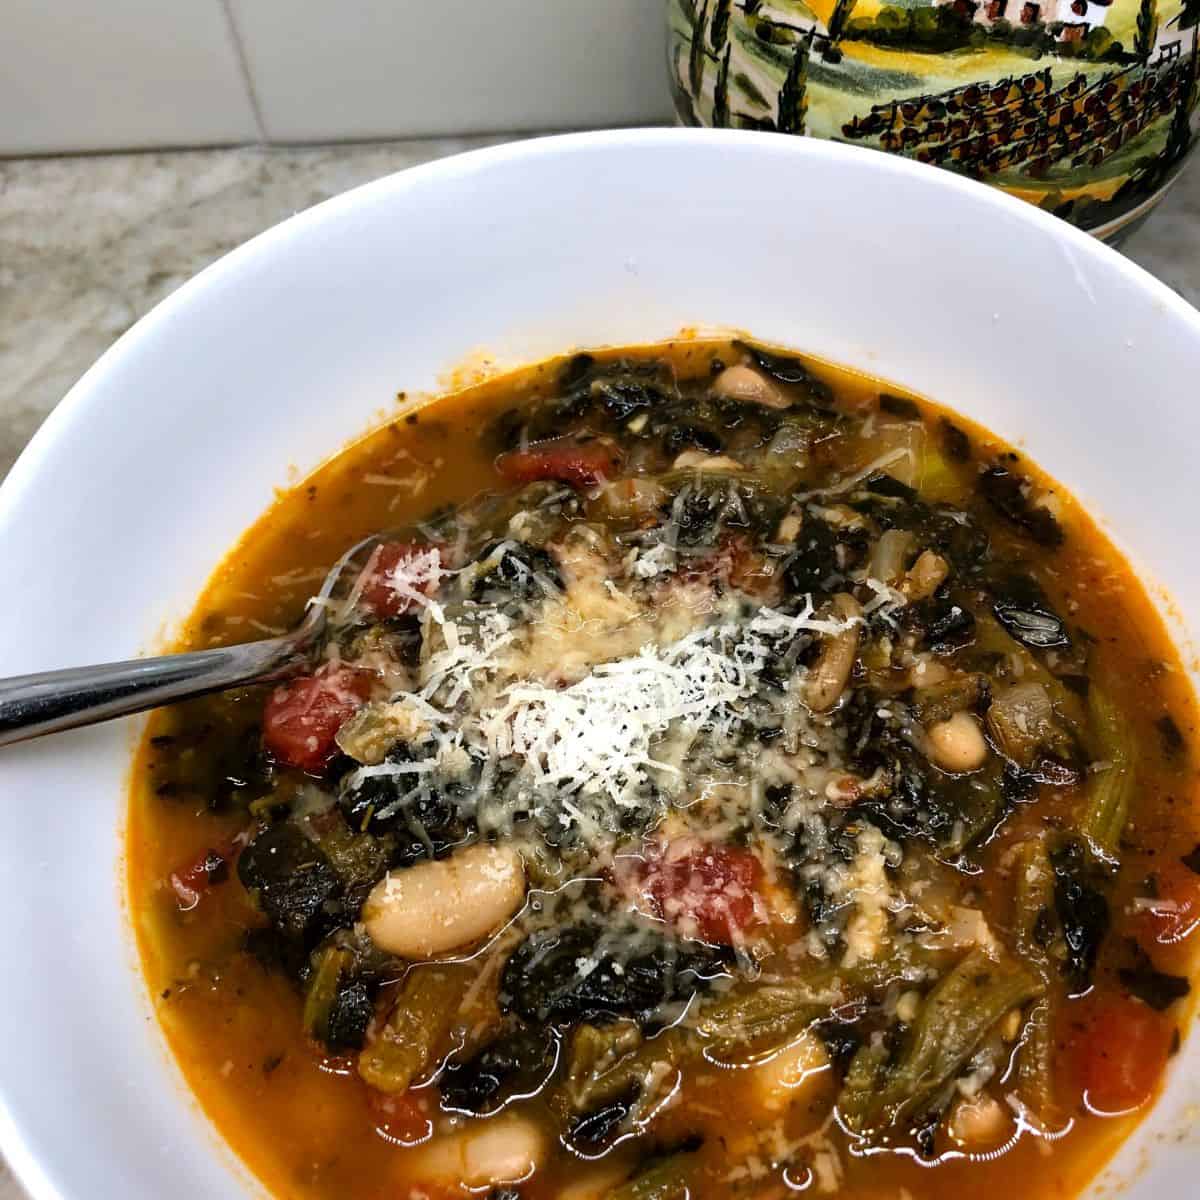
pixel 88 245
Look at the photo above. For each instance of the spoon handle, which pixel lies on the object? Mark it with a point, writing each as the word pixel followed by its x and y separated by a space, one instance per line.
pixel 32 705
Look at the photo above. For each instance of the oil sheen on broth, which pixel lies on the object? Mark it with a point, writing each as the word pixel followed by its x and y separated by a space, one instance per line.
pixel 726 776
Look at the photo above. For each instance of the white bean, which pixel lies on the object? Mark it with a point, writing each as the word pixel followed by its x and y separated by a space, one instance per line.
pixel 980 1123
pixel 790 1076
pixel 438 906
pixel 957 744
pixel 749 386
pixel 502 1150
pixel 908 1005
pixel 789 528
pixel 831 672
pixel 888 554
pixel 1010 1025
pixel 925 576
pixel 634 497
pixel 967 928
pixel 926 671
pixel 697 460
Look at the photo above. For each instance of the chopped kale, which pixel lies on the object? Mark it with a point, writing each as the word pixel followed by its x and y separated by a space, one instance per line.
pixel 779 366
pixel 1150 985
pixel 516 1064
pixel 955 443
pixel 883 484
pixel 1021 608
pixel 590 972
pixel 1018 786
pixel 681 437
pixel 592 1130
pixel 576 371
pixel 1006 493
pixel 349 1017
pixel 841 1040
pixel 424 825
pixel 623 397
pixel 944 624
pixel 899 406
pixel 519 571
pixel 290 878
pixel 955 536
pixel 818 565
pixel 1082 909
pixel 1173 742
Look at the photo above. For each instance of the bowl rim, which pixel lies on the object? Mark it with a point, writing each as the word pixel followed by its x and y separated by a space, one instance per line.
pixel 795 152
pixel 480 160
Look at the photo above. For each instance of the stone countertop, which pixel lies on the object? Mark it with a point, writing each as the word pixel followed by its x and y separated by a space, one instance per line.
pixel 90 244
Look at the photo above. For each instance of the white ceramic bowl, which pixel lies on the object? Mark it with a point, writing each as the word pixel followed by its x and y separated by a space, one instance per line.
pixel 271 359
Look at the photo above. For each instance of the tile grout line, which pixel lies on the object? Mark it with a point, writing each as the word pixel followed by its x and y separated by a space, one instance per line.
pixel 244 68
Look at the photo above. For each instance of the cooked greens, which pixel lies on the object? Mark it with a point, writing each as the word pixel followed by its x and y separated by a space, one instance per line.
pixel 719 772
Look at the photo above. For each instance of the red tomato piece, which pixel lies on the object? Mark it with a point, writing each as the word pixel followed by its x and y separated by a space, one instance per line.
pixel 736 564
pixel 404 1120
pixel 302 717
pixel 749 571
pixel 1173 915
pixel 192 880
pixel 1117 1049
pixel 704 889
pixel 581 464
pixel 379 594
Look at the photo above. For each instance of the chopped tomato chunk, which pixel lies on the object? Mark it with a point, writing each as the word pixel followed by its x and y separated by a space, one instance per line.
pixel 705 890
pixel 735 563
pixel 749 570
pixel 209 868
pixel 382 593
pixel 301 718
pixel 581 464
pixel 404 1120
pixel 1171 915
pixel 1117 1048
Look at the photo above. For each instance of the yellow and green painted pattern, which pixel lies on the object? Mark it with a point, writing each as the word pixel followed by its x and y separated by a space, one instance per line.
pixel 1085 108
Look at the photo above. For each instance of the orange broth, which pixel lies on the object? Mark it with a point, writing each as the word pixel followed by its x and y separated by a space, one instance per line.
pixel 300 1118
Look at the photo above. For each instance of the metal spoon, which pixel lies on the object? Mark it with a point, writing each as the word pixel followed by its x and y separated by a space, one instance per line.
pixel 51 701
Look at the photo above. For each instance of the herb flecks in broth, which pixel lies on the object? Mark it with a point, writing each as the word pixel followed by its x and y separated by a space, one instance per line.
pixel 722 775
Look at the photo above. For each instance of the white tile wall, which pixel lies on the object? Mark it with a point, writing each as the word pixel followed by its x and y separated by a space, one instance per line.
pixel 123 74
pixel 117 74
pixel 380 68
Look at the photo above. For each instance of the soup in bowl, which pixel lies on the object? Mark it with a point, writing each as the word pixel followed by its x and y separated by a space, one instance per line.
pixel 725 772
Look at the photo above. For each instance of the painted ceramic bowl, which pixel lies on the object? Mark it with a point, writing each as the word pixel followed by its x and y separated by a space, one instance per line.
pixel 1086 108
